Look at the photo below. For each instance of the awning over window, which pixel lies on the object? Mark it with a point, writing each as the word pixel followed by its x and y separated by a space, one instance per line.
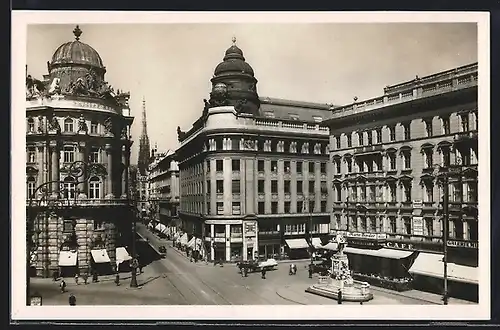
pixel 122 255
pixel 381 253
pixel 191 242
pixel 316 242
pixel 330 246
pixel 68 258
pixel 184 239
pixel 297 243
pixel 100 256
pixel 429 264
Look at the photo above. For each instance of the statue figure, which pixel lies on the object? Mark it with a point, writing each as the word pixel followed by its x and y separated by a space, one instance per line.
pixel 108 125
pixel 55 88
pixel 54 124
pixel 40 124
pixel 240 105
pixel 180 134
pixel 124 133
pixel 341 243
pixel 82 124
pixel 34 87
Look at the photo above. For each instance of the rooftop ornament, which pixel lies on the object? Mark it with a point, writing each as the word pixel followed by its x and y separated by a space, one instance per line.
pixel 77 32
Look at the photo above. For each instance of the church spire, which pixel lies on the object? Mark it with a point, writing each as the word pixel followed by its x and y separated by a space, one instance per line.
pixel 144 148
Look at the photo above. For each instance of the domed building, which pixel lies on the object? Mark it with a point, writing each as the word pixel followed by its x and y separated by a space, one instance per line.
pixel 77 165
pixel 254 171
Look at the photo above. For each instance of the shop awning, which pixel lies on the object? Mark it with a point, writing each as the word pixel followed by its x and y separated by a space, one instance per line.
pixel 184 239
pixel 429 264
pixel 191 242
pixel 316 242
pixel 330 246
pixel 100 256
pixel 297 243
pixel 68 258
pixel 381 253
pixel 122 255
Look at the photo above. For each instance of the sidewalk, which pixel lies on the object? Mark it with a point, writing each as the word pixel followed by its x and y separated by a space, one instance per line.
pixel 296 293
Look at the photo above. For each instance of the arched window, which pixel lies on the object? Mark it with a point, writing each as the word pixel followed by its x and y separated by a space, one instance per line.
pixel 94 188
pixel 31 186
pixel 31 125
pixel 69 187
pixel 68 125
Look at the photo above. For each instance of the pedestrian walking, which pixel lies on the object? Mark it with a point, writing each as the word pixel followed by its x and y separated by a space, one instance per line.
pixel 339 297
pixel 54 276
pixel 76 279
pixel 72 300
pixel 85 278
pixel 117 279
pixel 245 271
pixel 310 271
pixel 95 277
pixel 263 273
pixel 63 286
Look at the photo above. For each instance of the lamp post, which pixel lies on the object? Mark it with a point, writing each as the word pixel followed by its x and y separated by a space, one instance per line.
pixel 133 278
pixel 52 193
pixel 443 172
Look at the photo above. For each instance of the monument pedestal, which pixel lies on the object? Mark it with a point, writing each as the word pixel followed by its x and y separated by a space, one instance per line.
pixel 340 280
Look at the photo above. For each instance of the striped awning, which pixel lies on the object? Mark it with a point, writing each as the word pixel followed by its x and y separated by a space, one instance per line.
pixel 297 243
pixel 429 264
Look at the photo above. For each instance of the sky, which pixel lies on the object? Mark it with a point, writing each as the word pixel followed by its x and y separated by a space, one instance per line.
pixel 171 65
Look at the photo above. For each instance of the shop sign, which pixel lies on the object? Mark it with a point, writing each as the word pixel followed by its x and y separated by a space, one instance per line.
pixel 417 204
pixel 399 245
pixel 250 228
pixel 418 226
pixel 463 244
pixel 363 235
pixel 223 222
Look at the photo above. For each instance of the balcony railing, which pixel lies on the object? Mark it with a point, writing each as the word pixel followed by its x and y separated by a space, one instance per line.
pixel 78 202
pixel 440 83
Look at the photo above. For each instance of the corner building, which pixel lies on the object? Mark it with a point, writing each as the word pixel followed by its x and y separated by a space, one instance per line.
pixel 254 171
pixel 82 223
pixel 386 195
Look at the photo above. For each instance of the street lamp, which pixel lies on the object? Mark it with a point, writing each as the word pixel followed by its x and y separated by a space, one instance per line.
pixel 52 193
pixel 443 173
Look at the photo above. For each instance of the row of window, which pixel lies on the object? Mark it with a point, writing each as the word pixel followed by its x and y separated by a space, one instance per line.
pixel 302 207
pixel 369 137
pixel 270 145
pixel 236 167
pixel 459 192
pixel 197 189
pixel 369 224
pixel 68 154
pixel 69 126
pixel 462 156
pixel 94 187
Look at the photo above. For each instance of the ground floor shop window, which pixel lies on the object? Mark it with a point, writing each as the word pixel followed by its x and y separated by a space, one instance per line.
pixel 236 252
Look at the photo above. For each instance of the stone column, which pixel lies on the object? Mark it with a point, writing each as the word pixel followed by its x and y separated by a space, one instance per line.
pixel 54 168
pixel 82 156
pixel 40 157
pixel 109 158
pixel 125 159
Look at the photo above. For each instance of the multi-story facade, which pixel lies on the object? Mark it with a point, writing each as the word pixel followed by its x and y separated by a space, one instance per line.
pixel 164 195
pixel 254 171
pixel 83 218
pixel 385 153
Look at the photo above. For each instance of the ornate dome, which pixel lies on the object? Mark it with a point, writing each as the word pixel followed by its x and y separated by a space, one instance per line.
pixel 76 52
pixel 234 62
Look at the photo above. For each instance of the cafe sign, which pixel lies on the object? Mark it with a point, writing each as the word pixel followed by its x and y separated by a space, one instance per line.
pixel 399 245
pixel 250 228
pixel 462 244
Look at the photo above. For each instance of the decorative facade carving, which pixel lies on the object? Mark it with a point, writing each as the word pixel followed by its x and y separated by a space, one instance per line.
pixel 108 126
pixel 40 127
pixel 82 124
pixel 180 134
pixel 53 124
pixel 218 96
